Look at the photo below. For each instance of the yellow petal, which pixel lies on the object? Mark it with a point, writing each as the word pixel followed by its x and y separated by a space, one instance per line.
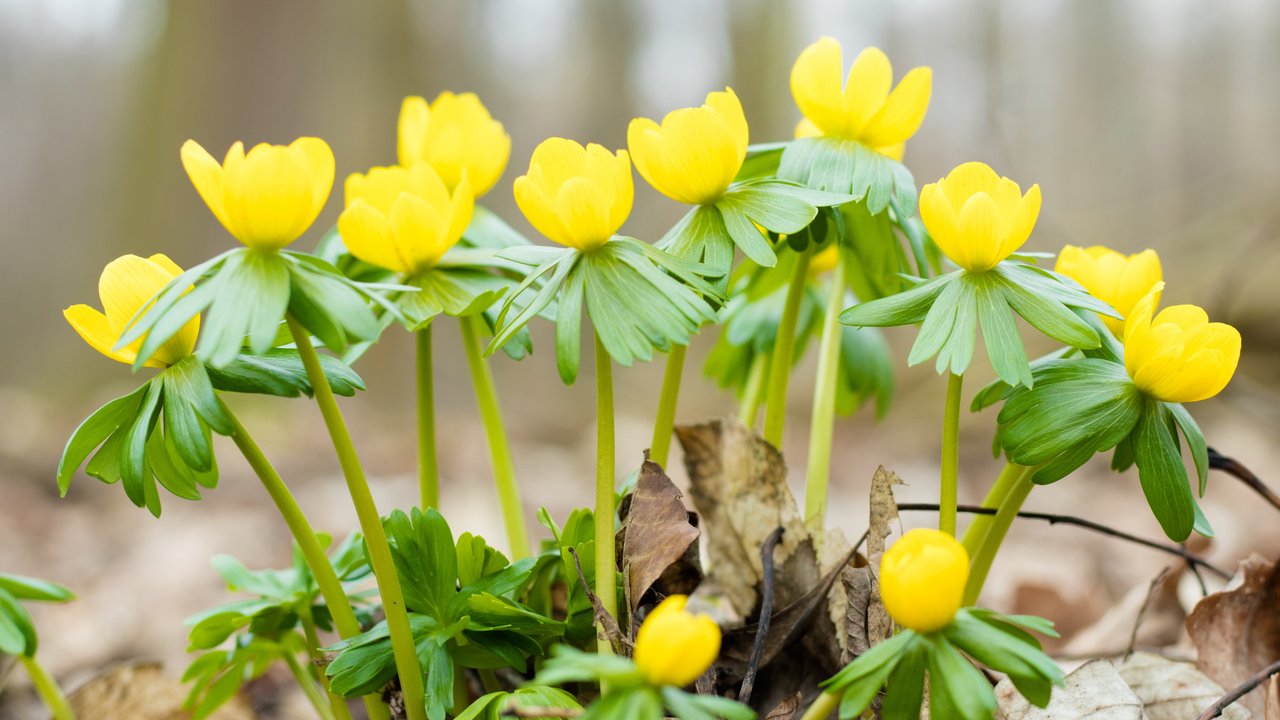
pixel 537 207
pixel 893 151
pixel 816 85
pixel 979 226
pixel 675 647
pixel 865 92
pixel 419 231
pixel 806 129
pixel 583 209
pixel 922 579
pixel 730 108
pixel 903 111
pixel 94 328
pixel 317 157
pixel 943 223
pixel 461 136
pixel 966 179
pixel 1019 224
pixel 461 208
pixel 411 131
pixel 367 234
pixel 206 175
pixel 270 197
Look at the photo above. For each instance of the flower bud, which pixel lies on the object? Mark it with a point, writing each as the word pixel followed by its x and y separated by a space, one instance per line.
pixel 922 579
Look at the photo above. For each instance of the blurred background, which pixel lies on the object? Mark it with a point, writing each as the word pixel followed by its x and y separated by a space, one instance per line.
pixel 1147 123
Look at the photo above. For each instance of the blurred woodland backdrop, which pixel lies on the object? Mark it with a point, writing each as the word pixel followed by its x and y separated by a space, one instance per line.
pixel 1147 123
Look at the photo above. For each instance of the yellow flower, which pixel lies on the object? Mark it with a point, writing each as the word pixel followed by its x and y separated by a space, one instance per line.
pixel 576 196
pixel 674 647
pixel 977 217
pixel 127 284
pixel 268 197
pixel 403 219
pixel 922 579
pixel 455 134
pixel 695 153
pixel 825 260
pixel 1179 356
pixel 806 129
pixel 1116 279
pixel 862 108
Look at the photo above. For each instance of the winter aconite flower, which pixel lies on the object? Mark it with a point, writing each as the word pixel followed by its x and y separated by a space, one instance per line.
pixel 267 197
pixel 922 579
pixel 576 196
pixel 977 217
pixel 454 134
pixel 806 129
pixel 127 284
pixel 1115 278
pixel 695 153
pixel 862 107
pixel 1178 356
pixel 674 647
pixel 404 219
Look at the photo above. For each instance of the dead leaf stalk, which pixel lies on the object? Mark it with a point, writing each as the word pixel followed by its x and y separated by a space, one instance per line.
pixel 1244 688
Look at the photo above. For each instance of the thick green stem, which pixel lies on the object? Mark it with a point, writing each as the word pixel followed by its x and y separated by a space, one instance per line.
pixel 977 530
pixel 822 707
pixel 660 447
pixel 504 469
pixel 428 467
pixel 48 689
pixel 980 563
pixel 309 687
pixel 606 560
pixel 822 426
pixel 950 456
pixel 775 409
pixel 754 389
pixel 375 536
pixel 335 598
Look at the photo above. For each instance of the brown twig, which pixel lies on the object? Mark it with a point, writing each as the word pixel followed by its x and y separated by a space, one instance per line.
pixel 1053 519
pixel 1232 467
pixel 766 614
pixel 1243 689
pixel 1142 611
pixel 608 624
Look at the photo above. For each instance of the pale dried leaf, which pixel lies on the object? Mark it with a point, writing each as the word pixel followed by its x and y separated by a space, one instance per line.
pixel 1237 631
pixel 866 622
pixel 142 691
pixel 1273 699
pixel 656 532
pixel 738 484
pixel 884 510
pixel 1094 691
pixel 1172 690
pixel 785 710
pixel 1162 623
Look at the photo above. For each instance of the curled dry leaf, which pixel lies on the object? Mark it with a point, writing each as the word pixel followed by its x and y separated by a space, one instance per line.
pixel 657 533
pixel 142 691
pixel 1237 631
pixel 1094 691
pixel 866 621
pixel 785 710
pixel 1172 690
pixel 1153 610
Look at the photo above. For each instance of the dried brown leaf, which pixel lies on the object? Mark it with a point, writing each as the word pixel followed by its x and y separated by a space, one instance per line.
pixel 1172 690
pixel 1158 626
pixel 866 622
pixel 657 532
pixel 738 484
pixel 1237 631
pixel 785 710
pixel 1273 699
pixel 142 691
pixel 1094 691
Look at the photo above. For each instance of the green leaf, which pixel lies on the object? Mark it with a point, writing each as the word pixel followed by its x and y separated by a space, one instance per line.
pixel 93 431
pixel 133 464
pixel 905 694
pixel 1000 335
pixel 569 327
pixel 747 236
pixel 956 354
pixel 1160 470
pixel 1049 316
pixel 29 588
pixel 848 167
pixel 938 323
pixel 866 371
pixel 562 263
pixel 437 667
pixel 1195 441
pixel 328 304
pixel 701 236
pixel 956 688
pixel 426 560
pixel 456 291
pixel 280 372
pixel 1014 653
pixel 17 632
pixel 875 261
pixel 174 306
pixel 488 230
pixel 905 308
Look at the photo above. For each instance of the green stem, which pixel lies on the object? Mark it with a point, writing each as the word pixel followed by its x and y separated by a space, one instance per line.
pixel 48 689
pixel 428 467
pixel 489 679
pixel 822 707
pixel 336 702
pixel 309 687
pixel 775 408
pixel 822 427
pixel 375 536
pixel 977 530
pixel 980 563
pixel 504 469
pixel 606 560
pixel 754 389
pixel 335 598
pixel 660 448
pixel 950 456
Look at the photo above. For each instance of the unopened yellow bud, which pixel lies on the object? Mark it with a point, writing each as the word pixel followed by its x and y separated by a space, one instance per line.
pixel 978 218
pixel 674 647
pixel 922 579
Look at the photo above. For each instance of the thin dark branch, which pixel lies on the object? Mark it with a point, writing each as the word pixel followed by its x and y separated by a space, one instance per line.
pixel 1053 519
pixel 1245 688
pixel 608 623
pixel 1232 467
pixel 1142 611
pixel 766 615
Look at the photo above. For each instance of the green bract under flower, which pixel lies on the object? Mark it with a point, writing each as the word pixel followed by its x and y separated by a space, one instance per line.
pixel 957 689
pixel 17 632
pixel 954 305
pixel 639 299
